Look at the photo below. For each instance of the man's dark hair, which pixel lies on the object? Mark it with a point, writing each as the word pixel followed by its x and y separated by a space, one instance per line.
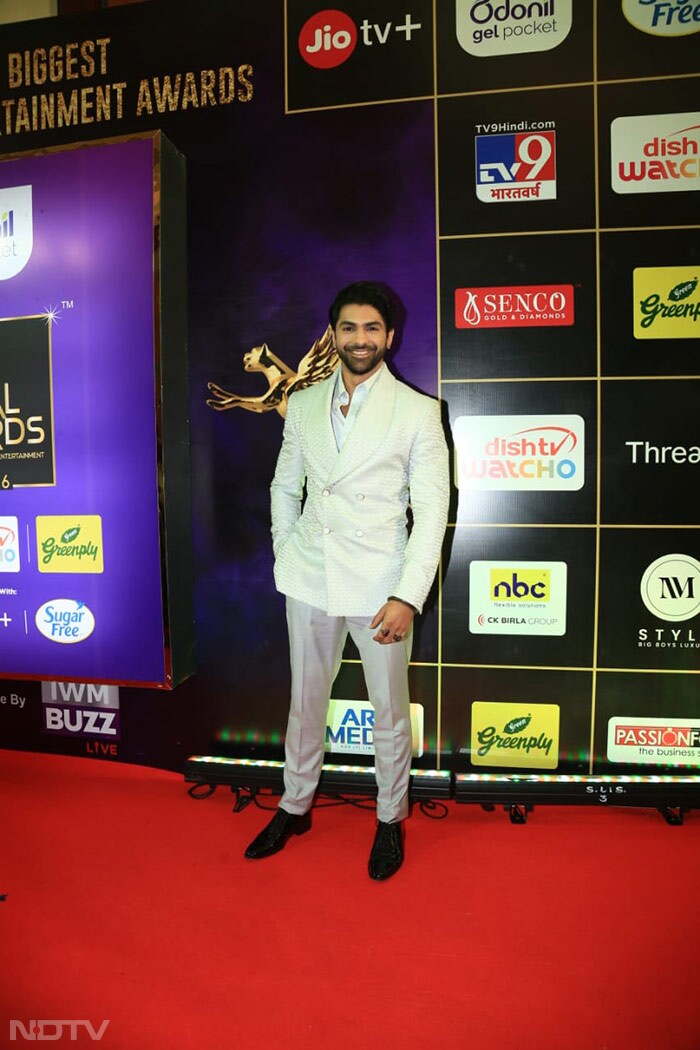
pixel 363 293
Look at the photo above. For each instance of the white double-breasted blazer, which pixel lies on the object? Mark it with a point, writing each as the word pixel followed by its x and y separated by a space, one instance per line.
pixel 349 548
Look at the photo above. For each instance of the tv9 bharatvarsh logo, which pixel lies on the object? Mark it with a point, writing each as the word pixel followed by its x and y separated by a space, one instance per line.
pixel 515 735
pixel 663 17
pixel 656 153
pixel 514 597
pixel 516 162
pixel 665 741
pixel 65 620
pixel 524 306
pixel 666 302
pixel 329 37
pixel 16 230
pixel 350 727
pixel 80 709
pixel 9 545
pixel 69 543
pixel 519 453
pixel 508 28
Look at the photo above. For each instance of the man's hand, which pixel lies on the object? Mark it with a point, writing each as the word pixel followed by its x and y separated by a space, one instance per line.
pixel 394 621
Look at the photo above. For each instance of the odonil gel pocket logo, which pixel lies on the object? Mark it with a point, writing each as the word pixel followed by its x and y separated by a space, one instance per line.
pixel 485 28
pixel 65 620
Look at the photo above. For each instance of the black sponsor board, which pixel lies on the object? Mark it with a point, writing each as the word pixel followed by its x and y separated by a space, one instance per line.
pixel 517 547
pixel 364 51
pixel 676 202
pixel 622 353
pixel 650 451
pixel 546 403
pixel 514 349
pixel 570 690
pixel 626 50
pixel 515 124
pixel 629 634
pixel 569 61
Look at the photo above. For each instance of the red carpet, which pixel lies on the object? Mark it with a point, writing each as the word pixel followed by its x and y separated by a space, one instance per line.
pixel 129 901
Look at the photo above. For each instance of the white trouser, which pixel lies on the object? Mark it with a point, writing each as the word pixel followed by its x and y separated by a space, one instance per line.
pixel 316 643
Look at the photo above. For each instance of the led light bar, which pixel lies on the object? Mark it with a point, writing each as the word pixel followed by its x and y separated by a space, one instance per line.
pixel 254 774
pixel 652 791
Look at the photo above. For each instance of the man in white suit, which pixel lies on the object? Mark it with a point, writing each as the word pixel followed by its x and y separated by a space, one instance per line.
pixel 365 445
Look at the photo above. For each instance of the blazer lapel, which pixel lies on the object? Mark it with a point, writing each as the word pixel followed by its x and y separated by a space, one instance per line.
pixel 319 429
pixel 369 430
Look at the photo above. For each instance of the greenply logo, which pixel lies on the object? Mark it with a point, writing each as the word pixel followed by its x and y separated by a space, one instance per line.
pixel 510 738
pixel 525 740
pixel 70 544
pixel 670 316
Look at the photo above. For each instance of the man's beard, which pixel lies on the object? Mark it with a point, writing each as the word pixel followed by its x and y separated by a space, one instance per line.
pixel 360 366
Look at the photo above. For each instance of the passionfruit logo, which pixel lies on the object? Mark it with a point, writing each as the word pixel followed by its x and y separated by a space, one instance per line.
pixel 65 620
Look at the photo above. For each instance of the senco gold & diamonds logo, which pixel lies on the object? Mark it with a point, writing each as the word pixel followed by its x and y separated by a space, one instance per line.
pixel 666 302
pixel 524 736
pixel 69 543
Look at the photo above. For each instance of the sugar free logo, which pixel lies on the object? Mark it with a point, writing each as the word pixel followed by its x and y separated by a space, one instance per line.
pixel 329 37
pixel 16 230
pixel 666 302
pixel 670 587
pixel 526 306
pixel 499 453
pixel 65 620
pixel 9 545
pixel 663 17
pixel 507 28
pixel 80 709
pixel 69 543
pixel 515 735
pixel 508 597
pixel 516 167
pixel 656 153
pixel 666 741
pixel 350 727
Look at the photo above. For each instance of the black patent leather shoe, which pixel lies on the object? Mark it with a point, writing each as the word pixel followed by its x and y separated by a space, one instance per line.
pixel 387 850
pixel 274 836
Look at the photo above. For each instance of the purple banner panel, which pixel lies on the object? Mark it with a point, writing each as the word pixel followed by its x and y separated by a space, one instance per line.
pixel 80 565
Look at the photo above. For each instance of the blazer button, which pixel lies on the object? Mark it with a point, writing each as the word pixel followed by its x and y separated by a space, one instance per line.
pixel 359 532
pixel 359 496
pixel 326 492
pixel 326 530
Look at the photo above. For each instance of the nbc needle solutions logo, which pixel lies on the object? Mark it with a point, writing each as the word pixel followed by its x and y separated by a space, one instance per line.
pixel 507 597
pixel 16 230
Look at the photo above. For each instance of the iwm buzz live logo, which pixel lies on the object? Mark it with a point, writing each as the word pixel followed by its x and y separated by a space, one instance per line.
pixel 83 711
pixel 330 37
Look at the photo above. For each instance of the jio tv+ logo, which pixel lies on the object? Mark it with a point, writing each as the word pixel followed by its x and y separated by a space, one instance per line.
pixel 330 37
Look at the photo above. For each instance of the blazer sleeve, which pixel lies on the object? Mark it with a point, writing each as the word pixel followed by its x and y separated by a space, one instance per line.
pixel 287 485
pixel 429 488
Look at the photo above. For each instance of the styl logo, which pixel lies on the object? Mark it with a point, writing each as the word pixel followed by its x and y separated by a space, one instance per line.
pixel 35 1031
pixel 328 38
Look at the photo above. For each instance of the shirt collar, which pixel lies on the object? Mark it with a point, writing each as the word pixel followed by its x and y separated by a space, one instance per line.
pixel 340 392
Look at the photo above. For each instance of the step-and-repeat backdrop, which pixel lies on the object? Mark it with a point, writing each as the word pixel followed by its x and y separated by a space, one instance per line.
pixel 525 176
